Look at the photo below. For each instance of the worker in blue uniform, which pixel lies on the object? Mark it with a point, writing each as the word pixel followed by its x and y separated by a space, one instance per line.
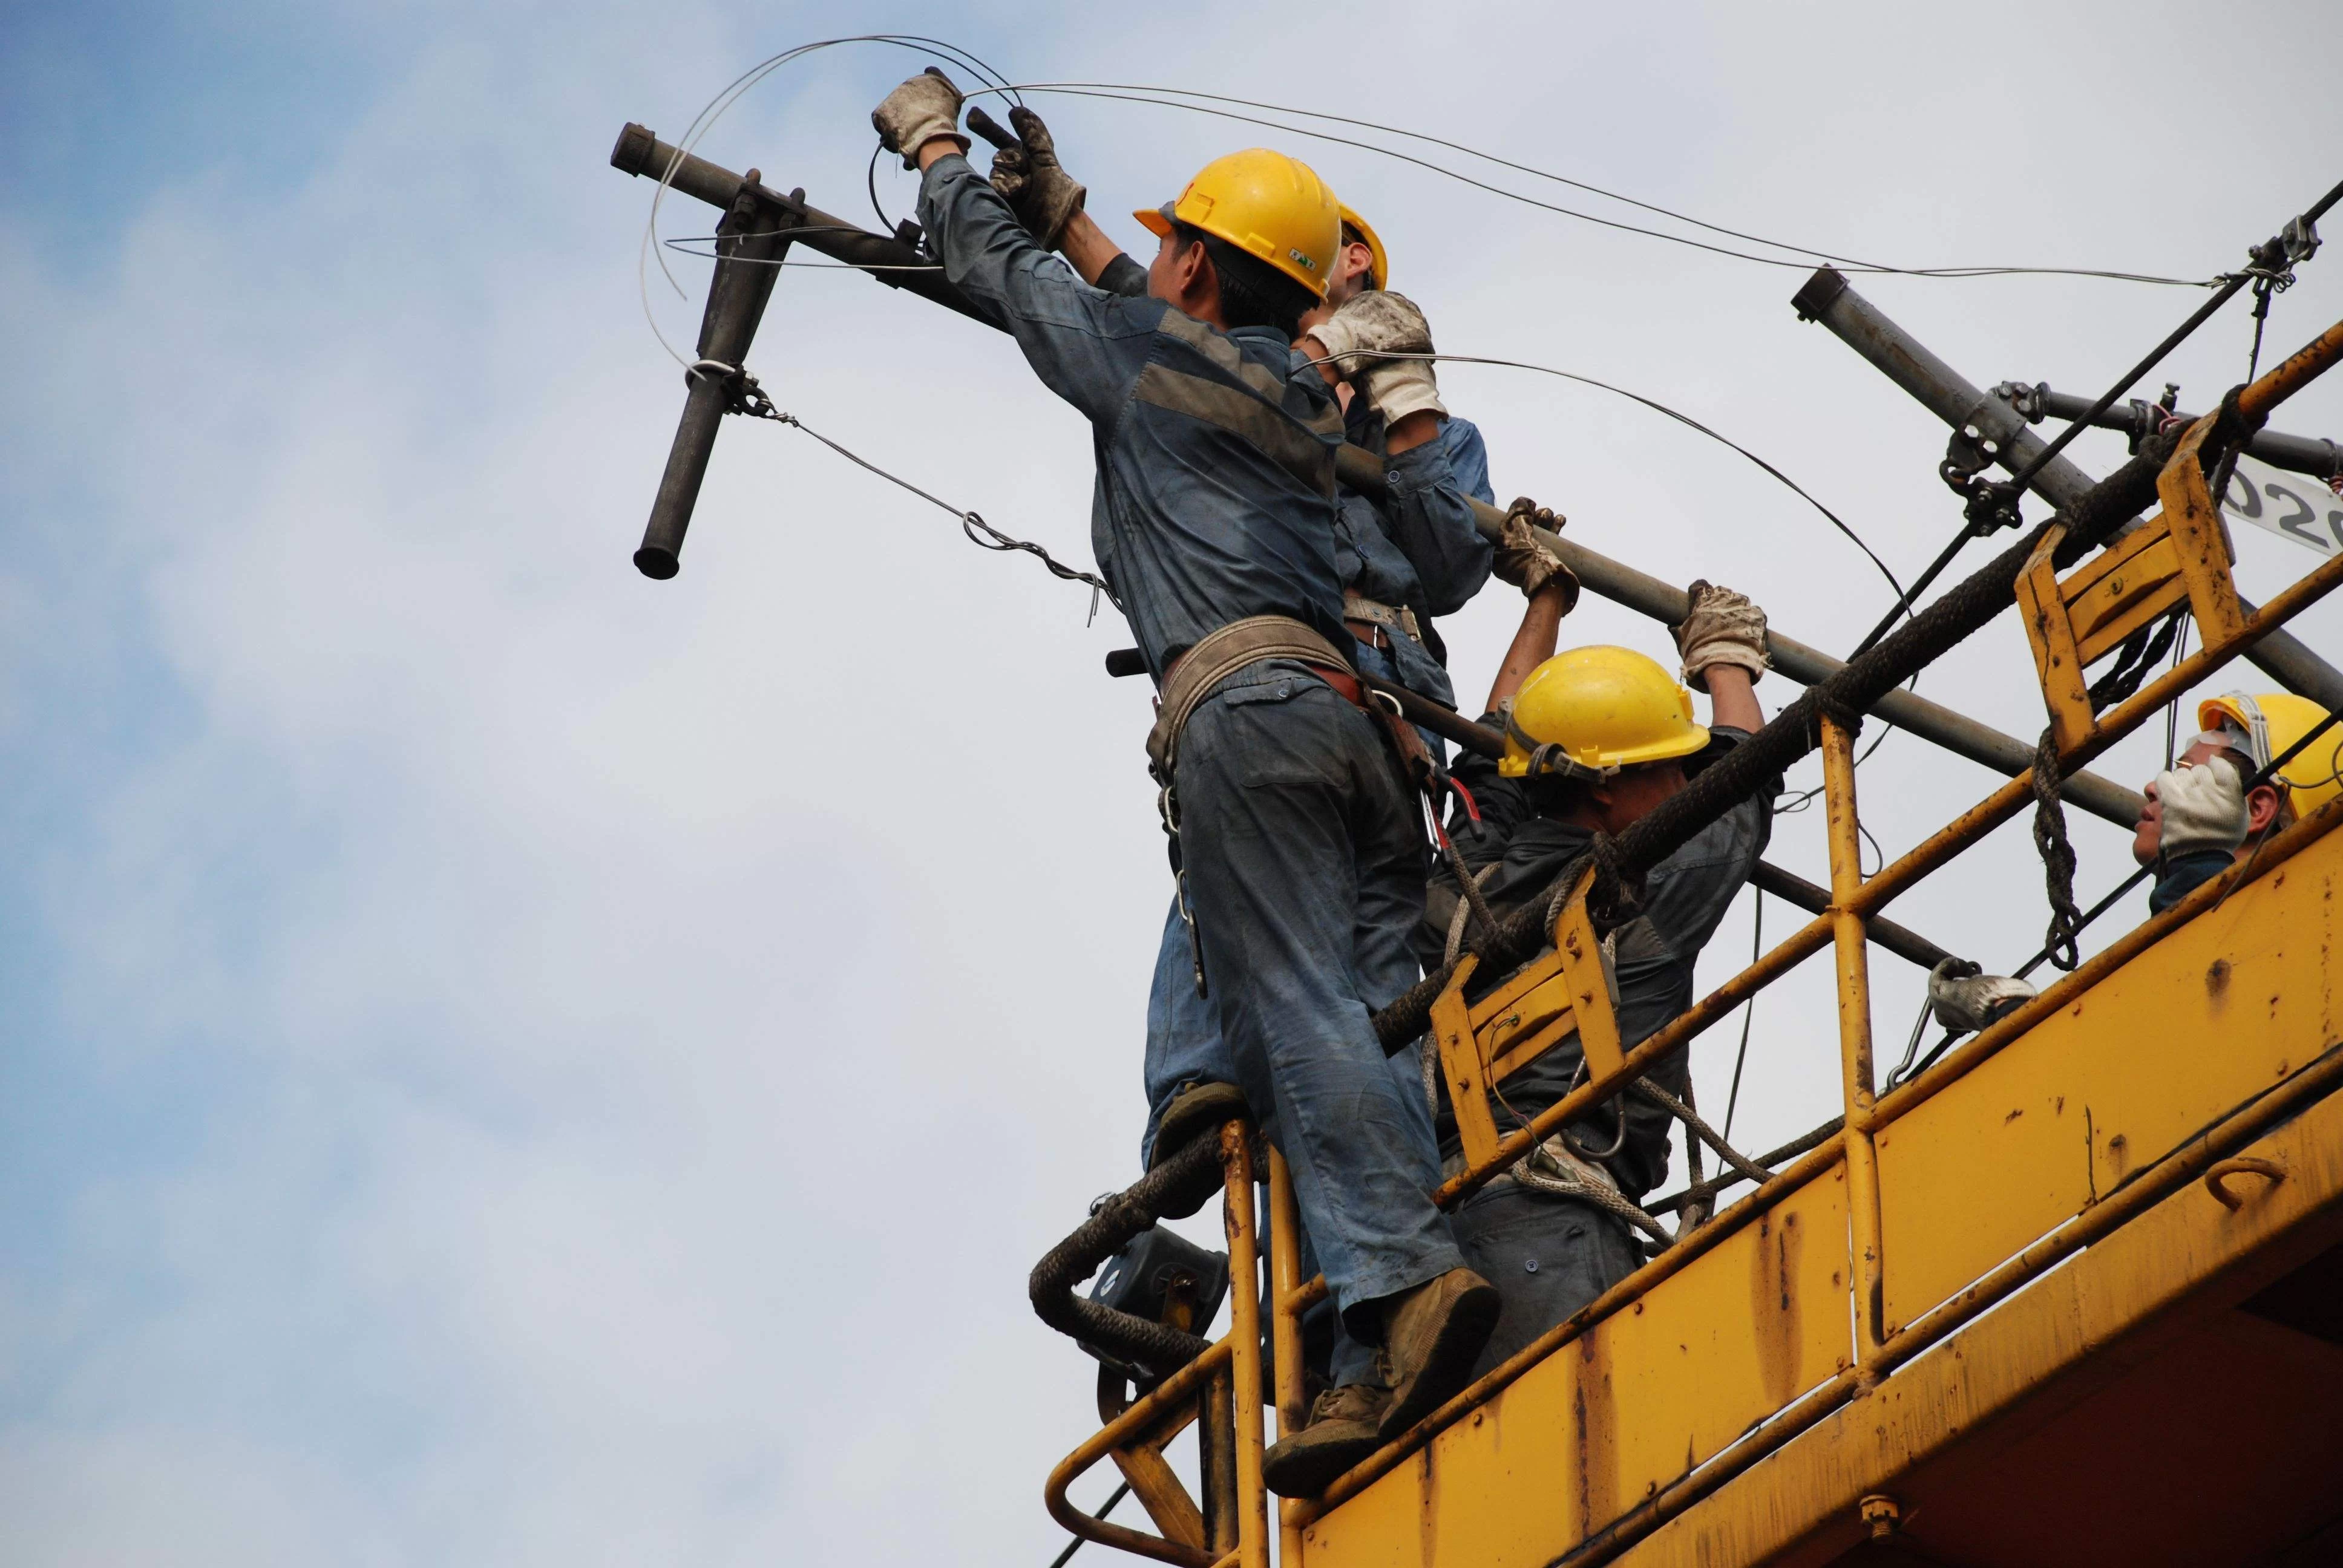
pixel 1213 520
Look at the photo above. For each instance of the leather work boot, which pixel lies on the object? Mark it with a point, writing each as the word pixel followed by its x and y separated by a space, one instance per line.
pixel 1342 1430
pixel 1432 1336
pixel 1197 1110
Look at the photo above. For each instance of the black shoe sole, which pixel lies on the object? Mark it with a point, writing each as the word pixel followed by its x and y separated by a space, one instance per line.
pixel 1296 1468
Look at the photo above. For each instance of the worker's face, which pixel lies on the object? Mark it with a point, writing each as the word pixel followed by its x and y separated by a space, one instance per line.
pixel 1348 278
pixel 2261 807
pixel 1180 273
pixel 1635 794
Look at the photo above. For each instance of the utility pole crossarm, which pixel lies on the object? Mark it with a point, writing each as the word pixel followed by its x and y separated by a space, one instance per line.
pixel 639 152
pixel 1943 392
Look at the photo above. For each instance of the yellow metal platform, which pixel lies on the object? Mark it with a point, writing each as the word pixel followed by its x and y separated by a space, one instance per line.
pixel 2172 1393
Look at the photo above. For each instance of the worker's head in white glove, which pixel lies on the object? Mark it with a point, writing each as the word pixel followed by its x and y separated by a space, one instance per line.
pixel 2202 804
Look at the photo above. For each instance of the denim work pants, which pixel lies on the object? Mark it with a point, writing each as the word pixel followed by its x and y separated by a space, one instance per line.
pixel 1305 874
pixel 1547 1256
pixel 1183 1029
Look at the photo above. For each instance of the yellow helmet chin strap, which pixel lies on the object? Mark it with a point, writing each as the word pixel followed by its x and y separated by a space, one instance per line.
pixel 1548 759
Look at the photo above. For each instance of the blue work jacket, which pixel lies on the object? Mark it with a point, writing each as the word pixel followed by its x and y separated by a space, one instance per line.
pixel 1215 492
pixel 1419 546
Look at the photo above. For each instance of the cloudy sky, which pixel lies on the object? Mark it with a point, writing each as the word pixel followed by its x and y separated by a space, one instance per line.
pixel 505 1062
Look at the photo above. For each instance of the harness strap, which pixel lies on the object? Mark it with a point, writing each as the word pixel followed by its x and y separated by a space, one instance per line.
pixel 1216 656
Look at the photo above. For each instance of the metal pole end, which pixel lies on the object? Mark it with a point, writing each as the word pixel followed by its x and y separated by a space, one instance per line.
pixel 1818 292
pixel 657 563
pixel 632 154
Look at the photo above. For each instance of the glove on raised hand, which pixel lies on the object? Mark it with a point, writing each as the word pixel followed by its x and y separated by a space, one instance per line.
pixel 2204 807
pixel 1036 185
pixel 923 108
pixel 1529 565
pixel 1966 1001
pixel 1724 627
pixel 1378 322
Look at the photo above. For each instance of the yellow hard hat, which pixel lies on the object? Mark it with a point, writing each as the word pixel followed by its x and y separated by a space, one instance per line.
pixel 1266 204
pixel 2273 721
pixel 1598 710
pixel 1379 272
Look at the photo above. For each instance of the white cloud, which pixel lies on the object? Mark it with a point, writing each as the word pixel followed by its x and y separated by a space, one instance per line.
pixel 623 1044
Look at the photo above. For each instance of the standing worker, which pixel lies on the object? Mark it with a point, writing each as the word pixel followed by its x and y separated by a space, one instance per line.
pixel 1213 518
pixel 1415 555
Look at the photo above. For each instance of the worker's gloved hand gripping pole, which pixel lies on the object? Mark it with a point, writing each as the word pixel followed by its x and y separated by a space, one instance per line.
pixel 638 152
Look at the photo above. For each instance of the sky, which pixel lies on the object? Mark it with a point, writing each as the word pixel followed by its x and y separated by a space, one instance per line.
pixel 507 1061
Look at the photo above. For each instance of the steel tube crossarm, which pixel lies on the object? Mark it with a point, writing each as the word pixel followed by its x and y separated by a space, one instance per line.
pixel 1622 584
pixel 1957 614
pixel 1943 391
pixel 2312 455
pixel 641 152
pixel 638 152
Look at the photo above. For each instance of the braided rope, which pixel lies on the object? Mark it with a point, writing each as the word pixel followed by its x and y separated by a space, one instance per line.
pixel 2057 856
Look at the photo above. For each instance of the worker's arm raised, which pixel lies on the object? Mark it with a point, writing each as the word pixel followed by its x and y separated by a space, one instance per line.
pixel 1428 515
pixel 1534 643
pixel 1088 347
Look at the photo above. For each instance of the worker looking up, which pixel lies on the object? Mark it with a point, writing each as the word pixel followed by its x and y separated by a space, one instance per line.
pixel 1295 835
pixel 2200 819
pixel 1596 739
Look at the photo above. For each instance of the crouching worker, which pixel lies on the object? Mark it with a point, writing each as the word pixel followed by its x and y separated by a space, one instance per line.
pixel 1620 713
pixel 1298 845
pixel 2201 818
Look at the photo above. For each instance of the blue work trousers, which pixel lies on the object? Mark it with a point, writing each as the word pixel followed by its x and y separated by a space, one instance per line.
pixel 1306 868
pixel 1548 1257
pixel 1183 1032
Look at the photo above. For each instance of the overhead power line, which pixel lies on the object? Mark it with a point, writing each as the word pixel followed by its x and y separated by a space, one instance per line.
pixel 1802 257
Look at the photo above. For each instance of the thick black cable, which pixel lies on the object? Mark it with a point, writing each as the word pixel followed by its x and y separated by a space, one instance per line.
pixel 1116 1495
pixel 1748 1012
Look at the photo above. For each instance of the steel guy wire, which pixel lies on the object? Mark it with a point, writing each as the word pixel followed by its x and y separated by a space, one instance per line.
pixel 1171 98
pixel 752 399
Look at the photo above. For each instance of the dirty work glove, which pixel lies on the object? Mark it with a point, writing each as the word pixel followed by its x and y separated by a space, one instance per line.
pixel 922 108
pixel 1964 1000
pixel 1381 322
pixel 1524 562
pixel 1724 627
pixel 1033 182
pixel 2204 807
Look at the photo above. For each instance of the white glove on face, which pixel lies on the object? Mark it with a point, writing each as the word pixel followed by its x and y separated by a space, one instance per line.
pixel 2204 807
pixel 1724 627
pixel 921 109
pixel 1381 322
pixel 1965 1004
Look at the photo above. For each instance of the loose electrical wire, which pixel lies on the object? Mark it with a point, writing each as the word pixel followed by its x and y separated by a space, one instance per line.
pixel 683 246
pixel 1806 257
pixel 716 108
pixel 1658 408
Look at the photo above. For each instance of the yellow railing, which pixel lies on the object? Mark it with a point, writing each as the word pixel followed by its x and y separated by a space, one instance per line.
pixel 1834 1189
